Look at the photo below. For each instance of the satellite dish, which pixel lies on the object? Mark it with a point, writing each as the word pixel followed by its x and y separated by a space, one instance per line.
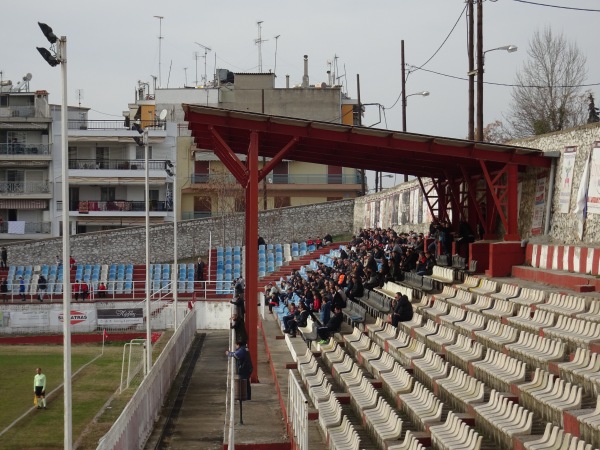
pixel 27 77
pixel 163 114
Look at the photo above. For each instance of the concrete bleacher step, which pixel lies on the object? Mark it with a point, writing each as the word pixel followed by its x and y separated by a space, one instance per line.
pixel 573 281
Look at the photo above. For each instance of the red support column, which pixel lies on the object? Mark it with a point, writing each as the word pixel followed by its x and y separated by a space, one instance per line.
pixel 251 234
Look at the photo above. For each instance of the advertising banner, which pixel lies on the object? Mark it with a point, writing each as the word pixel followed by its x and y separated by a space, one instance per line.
pixel 28 319
pixel 123 316
pixel 539 205
pixel 81 319
pixel 593 197
pixel 566 179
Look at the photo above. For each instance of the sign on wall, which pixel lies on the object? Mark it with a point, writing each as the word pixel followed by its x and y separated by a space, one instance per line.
pixel 539 205
pixel 593 202
pixel 566 179
pixel 123 316
pixel 26 319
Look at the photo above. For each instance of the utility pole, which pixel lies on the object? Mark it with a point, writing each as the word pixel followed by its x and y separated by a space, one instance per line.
pixel 479 70
pixel 403 69
pixel 363 181
pixel 471 72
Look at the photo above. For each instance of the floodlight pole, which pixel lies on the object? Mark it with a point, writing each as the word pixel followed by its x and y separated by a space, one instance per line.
pixel 68 417
pixel 148 312
pixel 175 262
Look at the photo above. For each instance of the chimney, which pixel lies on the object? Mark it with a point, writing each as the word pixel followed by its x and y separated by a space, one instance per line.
pixel 287 81
pixel 305 77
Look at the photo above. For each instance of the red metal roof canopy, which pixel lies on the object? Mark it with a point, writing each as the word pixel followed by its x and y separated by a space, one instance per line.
pixel 356 147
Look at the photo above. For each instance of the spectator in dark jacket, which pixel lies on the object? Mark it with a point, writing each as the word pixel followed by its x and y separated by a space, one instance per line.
pixel 333 326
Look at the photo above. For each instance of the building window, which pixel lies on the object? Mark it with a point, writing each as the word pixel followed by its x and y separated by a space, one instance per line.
pixel 139 153
pixel 107 194
pixel 282 202
pixel 3 100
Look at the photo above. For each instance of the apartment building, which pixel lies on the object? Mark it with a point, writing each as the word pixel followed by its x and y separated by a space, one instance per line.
pixel 26 170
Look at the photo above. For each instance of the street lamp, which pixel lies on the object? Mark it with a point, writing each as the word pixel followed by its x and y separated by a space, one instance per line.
pixel 480 63
pixel 147 196
pixel 171 172
pixel 57 54
pixel 404 97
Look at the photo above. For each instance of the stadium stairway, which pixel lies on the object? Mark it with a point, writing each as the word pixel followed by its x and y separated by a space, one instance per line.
pixel 296 264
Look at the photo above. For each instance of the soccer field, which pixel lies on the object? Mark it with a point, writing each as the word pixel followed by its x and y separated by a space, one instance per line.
pixel 91 389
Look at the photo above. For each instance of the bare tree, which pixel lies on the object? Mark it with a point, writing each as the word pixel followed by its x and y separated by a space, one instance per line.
pixel 549 96
pixel 496 133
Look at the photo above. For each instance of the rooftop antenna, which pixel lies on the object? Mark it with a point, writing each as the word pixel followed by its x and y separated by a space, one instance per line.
pixel 79 94
pixel 206 50
pixel 160 37
pixel 259 42
pixel 185 72
pixel 197 56
pixel 275 68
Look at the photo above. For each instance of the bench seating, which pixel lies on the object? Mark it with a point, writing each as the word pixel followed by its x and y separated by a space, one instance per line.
pixel 507 292
pixel 441 276
pixel 460 390
pixel 464 352
pixel 536 350
pixel 354 313
pixel 468 283
pixel 486 287
pixel 567 305
pixel 525 321
pixel 530 297
pixel 496 335
pixel 421 406
pixel 549 396
pixel 503 419
pixel 499 371
pixel 454 434
pixel 461 298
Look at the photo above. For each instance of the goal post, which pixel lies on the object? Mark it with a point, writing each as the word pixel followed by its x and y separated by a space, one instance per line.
pixel 133 367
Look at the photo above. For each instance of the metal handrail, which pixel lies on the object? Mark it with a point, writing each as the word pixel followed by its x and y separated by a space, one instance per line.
pixel 308 178
pixel 115 164
pixel 90 206
pixel 24 187
pixel 15 148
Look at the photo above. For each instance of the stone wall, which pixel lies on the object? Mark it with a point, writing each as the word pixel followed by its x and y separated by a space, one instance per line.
pixel 562 225
pixel 388 209
pixel 128 245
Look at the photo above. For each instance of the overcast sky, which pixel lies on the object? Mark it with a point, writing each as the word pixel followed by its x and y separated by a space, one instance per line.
pixel 113 44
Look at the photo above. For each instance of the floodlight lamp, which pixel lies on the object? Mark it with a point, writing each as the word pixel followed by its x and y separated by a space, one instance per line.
pixel 48 33
pixel 48 56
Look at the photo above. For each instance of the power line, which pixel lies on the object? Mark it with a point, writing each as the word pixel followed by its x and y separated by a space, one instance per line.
pixel 557 6
pixel 106 114
pixel 507 84
pixel 415 69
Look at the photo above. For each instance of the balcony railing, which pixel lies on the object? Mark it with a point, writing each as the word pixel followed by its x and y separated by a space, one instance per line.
pixel 24 149
pixel 24 187
pixel 283 178
pixel 187 215
pixel 31 227
pixel 115 164
pixel 90 206
pixel 113 124
pixel 18 111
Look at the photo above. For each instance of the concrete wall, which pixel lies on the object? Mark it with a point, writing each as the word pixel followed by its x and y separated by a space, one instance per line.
pixel 563 225
pixel 284 225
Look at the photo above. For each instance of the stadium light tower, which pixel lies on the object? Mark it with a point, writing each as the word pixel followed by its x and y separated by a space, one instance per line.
pixel 57 55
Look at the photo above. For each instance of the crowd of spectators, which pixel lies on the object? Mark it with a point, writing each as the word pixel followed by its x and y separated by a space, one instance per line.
pixel 371 258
